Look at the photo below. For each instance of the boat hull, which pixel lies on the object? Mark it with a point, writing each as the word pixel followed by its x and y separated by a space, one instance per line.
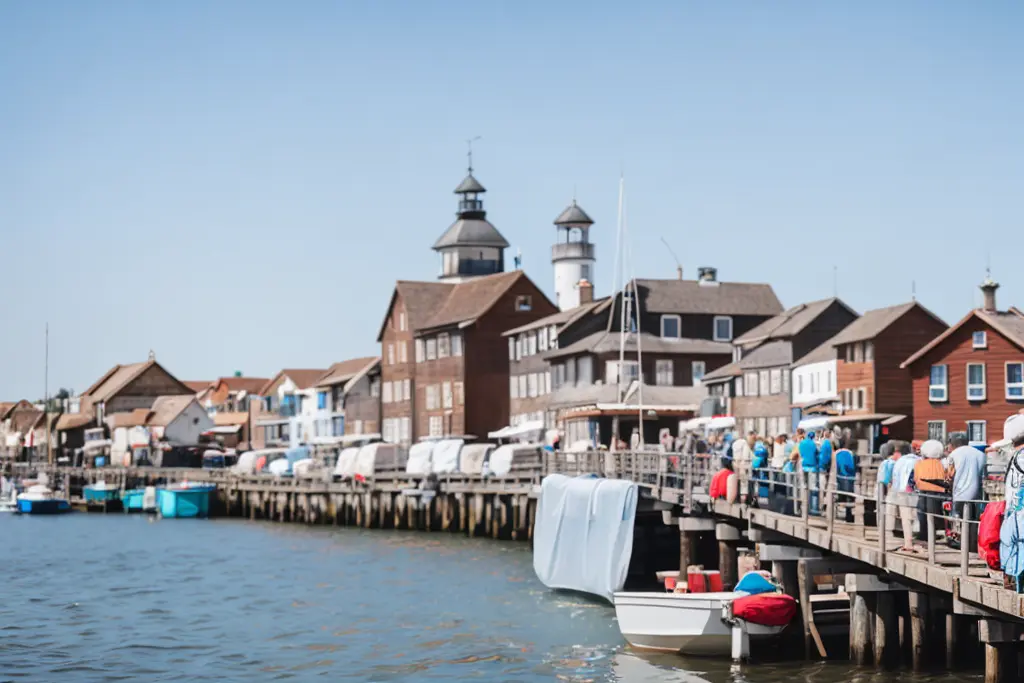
pixel 100 495
pixel 53 506
pixel 684 623
pixel 188 502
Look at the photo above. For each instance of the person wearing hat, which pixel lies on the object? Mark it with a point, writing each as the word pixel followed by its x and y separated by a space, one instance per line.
pixel 1011 534
pixel 929 478
pixel 967 469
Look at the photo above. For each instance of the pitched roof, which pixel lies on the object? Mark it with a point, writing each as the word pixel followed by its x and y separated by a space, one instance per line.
pixel 573 215
pixel 721 298
pixel 790 322
pixel 302 378
pixel 421 300
pixel 134 418
pixel 197 385
pixel 249 385
pixel 603 342
pixel 566 317
pixel 874 322
pixel 24 420
pixel 773 354
pixel 74 420
pixel 166 408
pixel 230 419
pixel 345 370
pixel 120 376
pixel 5 407
pixel 823 353
pixel 469 300
pixel 471 232
pixel 1007 323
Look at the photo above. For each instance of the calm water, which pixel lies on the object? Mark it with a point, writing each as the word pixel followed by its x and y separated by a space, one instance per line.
pixel 107 598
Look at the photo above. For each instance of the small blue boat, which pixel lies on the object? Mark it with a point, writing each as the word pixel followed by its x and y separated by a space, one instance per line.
pixel 100 495
pixel 40 500
pixel 185 501
pixel 132 500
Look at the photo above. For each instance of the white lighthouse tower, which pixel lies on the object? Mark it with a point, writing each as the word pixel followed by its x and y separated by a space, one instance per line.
pixel 572 256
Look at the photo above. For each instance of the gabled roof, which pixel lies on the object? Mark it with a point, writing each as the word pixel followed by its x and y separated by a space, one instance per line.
pixel 343 371
pixel 135 418
pixel 166 408
pixel 471 299
pixel 302 379
pixel 775 353
pixel 823 353
pixel 790 322
pixel 24 420
pixel 566 317
pixel 1007 323
pixel 74 420
pixel 573 215
pixel 876 321
pixel 230 419
pixel 719 298
pixel 120 376
pixel 421 299
pixel 250 385
pixel 197 386
pixel 6 407
pixel 471 232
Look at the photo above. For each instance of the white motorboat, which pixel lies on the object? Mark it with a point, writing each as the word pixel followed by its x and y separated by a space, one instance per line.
pixel 8 496
pixel 696 623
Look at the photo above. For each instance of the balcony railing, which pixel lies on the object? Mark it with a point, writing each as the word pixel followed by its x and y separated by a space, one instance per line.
pixel 581 250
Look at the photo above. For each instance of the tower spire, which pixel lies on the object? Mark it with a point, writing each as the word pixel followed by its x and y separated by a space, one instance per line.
pixel 469 153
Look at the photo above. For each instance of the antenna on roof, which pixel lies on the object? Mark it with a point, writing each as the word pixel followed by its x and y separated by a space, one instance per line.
pixel 152 354
pixel 519 259
pixel 835 281
pixel 679 266
pixel 913 290
pixel 469 151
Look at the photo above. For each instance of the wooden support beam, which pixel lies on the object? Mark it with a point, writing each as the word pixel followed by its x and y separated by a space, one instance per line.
pixel 687 552
pixel 727 563
pixel 919 616
pixel 886 631
pixel 861 650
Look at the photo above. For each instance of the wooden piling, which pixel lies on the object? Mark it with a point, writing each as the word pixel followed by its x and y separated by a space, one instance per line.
pixel 919 615
pixel 860 629
pixel 727 563
pixel 886 631
pixel 687 552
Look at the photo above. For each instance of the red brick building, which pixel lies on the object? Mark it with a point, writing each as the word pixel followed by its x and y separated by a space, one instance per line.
pixel 970 377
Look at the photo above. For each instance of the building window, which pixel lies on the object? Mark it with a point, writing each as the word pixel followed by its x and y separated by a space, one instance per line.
pixel 456 343
pixel 584 371
pixel 663 369
pixel 531 344
pixel 670 327
pixel 432 348
pixel 443 345
pixel 436 425
pixel 387 393
pixel 407 389
pixel 403 352
pixel 750 384
pixel 937 430
pixel 403 429
pixel 776 381
pixel 513 387
pixel 1015 381
pixel 828 388
pixel 630 371
pixel 979 340
pixel 391 354
pixel 321 400
pixel 420 351
pixel 531 384
pixel 375 387
pixel 975 381
pixel 800 384
pixel 785 381
pixel 401 322
pixel 431 396
pixel 739 386
pixel 524 302
pixel 697 369
pixel 460 396
pixel 723 328
pixel 542 339
pixel 522 386
pixel 938 387
pixel 762 382
pixel 869 351
pixel 446 394
pixel 862 398
pixel 976 431
pixel 553 337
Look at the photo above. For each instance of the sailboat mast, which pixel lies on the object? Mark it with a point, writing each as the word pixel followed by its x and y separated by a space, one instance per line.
pixel 46 395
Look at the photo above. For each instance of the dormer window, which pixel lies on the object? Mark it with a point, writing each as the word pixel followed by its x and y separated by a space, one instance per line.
pixel 979 340
pixel 670 327
pixel 723 328
pixel 524 303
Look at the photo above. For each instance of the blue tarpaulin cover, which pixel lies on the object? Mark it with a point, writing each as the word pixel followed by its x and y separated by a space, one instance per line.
pixel 583 537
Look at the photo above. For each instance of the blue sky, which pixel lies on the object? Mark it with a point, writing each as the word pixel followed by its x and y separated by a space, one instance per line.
pixel 237 185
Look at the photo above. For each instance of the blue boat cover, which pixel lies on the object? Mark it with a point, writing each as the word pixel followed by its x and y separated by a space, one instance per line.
pixel 583 537
pixel 755 584
pixel 1011 540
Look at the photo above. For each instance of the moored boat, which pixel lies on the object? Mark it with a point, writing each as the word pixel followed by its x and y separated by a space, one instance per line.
pixel 704 624
pixel 139 500
pixel 40 500
pixel 101 495
pixel 185 500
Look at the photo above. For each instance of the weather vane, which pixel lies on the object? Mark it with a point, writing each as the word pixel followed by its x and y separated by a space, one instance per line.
pixel 469 152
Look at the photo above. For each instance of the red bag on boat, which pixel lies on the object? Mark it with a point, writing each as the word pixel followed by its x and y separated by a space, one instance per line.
pixel 766 609
pixel 719 483
pixel 988 533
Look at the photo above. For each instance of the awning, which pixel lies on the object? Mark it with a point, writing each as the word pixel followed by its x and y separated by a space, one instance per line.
pixel 696 423
pixel 722 422
pixel 884 418
pixel 223 429
pixel 513 431
pixel 814 422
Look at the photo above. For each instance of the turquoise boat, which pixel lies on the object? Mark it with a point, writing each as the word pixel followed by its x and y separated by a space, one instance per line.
pixel 185 501
pixel 136 500
pixel 99 493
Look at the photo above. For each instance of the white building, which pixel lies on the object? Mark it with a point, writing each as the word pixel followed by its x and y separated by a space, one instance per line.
pixel 814 379
pixel 573 256
pixel 290 407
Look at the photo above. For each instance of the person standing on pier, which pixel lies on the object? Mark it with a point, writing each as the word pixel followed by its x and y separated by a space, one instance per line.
pixel 809 465
pixel 967 468
pixel 846 471
pixel 928 477
pixel 889 457
pixel 901 492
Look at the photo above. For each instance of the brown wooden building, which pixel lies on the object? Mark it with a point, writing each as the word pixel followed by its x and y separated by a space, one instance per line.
pixel 970 378
pixel 756 385
pixel 874 391
pixel 444 362
pixel 353 393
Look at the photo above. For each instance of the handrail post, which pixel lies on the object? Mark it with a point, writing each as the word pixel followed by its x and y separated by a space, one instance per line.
pixel 831 516
pixel 881 522
pixel 805 501
pixel 931 538
pixel 965 539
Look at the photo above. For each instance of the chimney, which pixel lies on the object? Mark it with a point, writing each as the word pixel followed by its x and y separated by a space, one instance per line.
pixel 586 292
pixel 679 272
pixel 988 291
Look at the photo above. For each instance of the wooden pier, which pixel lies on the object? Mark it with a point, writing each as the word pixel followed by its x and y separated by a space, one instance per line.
pixel 920 610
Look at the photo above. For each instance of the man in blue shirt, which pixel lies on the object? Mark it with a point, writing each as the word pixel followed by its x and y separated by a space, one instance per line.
pixel 809 464
pixel 968 466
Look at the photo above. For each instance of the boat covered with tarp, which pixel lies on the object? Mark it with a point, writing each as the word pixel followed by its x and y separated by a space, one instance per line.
pixel 446 456
pixel 286 465
pixel 473 457
pixel 380 457
pixel 346 465
pixel 508 457
pixel 421 456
